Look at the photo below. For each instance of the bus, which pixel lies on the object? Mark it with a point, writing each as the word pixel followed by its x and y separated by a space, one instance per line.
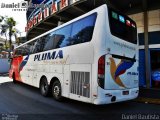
pixel 92 58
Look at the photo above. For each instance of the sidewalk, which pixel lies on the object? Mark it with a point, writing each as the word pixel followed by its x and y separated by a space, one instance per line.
pixel 4 79
pixel 148 100
pixel 151 96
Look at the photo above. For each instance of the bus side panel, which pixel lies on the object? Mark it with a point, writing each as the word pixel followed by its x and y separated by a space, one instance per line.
pixel 66 83
pixel 99 41
pixel 77 71
pixel 48 70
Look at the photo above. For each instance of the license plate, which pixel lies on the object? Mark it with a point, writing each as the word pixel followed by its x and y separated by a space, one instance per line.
pixel 125 92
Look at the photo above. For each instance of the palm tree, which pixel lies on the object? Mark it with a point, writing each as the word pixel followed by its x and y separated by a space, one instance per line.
pixel 3 28
pixel 7 24
pixel 4 32
pixel 15 32
pixel 11 23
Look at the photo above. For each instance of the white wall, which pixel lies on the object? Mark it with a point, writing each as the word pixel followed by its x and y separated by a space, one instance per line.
pixel 4 66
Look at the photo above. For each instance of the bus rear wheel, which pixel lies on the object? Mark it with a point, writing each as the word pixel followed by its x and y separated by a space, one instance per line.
pixel 44 87
pixel 57 91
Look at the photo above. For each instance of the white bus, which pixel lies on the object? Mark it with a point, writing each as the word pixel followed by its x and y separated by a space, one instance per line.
pixel 93 58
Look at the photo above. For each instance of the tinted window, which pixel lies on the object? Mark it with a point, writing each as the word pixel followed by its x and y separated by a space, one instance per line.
pixel 122 26
pixel 82 30
pixel 35 47
pixel 78 32
pixel 49 41
pixel 18 52
pixel 62 37
pixel 31 44
pixel 39 44
pixel 25 49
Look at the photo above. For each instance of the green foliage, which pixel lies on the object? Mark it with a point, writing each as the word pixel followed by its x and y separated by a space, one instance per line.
pixel 7 24
pixel 10 22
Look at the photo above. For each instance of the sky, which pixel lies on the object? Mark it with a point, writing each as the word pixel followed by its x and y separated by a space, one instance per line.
pixel 19 16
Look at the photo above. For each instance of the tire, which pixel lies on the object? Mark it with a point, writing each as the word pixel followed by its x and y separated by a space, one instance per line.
pixel 44 87
pixel 57 91
pixel 14 79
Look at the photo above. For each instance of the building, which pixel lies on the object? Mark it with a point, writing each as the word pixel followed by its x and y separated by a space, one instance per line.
pixel 50 13
pixel 153 43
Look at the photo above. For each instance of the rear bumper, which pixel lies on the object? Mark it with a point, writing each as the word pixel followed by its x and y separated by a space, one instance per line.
pixel 112 96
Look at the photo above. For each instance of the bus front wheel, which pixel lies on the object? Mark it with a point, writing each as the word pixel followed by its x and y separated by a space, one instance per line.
pixel 44 87
pixel 56 91
pixel 14 78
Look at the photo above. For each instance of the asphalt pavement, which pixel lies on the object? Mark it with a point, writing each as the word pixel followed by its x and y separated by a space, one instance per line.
pixel 23 102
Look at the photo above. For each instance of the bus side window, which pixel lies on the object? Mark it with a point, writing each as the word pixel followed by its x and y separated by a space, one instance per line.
pixel 82 30
pixel 18 52
pixel 22 51
pixel 58 39
pixel 25 50
pixel 48 40
pixel 30 45
pixel 38 45
pixel 62 37
pixel 34 47
pixel 43 42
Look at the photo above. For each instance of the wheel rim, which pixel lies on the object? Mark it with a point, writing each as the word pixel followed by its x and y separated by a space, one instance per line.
pixel 56 91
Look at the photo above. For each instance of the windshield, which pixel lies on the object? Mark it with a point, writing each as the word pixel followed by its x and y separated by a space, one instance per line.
pixel 122 26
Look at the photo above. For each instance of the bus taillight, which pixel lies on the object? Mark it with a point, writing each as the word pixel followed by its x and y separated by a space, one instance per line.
pixel 101 71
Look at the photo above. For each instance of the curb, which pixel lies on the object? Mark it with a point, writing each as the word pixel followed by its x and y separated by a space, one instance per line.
pixel 148 100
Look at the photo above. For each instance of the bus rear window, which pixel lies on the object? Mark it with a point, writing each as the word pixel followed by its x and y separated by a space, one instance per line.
pixel 122 26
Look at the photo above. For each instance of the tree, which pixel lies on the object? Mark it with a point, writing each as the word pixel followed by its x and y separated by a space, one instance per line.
pixel 7 27
pixel 4 28
pixel 11 23
pixel 4 32
pixel 15 32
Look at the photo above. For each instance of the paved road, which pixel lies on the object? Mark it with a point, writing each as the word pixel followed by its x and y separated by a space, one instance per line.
pixel 20 101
